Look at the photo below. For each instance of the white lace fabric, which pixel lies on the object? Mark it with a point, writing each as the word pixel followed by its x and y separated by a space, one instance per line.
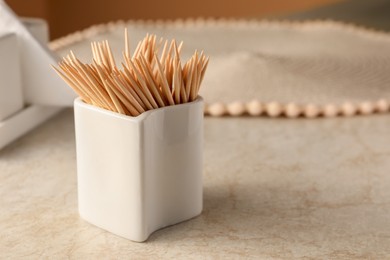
pixel 313 65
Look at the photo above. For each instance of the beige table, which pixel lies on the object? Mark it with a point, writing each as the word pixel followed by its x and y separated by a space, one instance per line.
pixel 273 188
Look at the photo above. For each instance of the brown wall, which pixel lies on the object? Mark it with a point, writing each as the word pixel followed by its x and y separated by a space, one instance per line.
pixel 66 16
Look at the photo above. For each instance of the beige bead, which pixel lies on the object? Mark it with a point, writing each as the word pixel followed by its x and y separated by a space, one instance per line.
pixel 273 109
pixel 382 105
pixel 366 108
pixel 254 108
pixel 236 108
pixel 179 23
pixel 217 109
pixel 205 108
pixel 348 109
pixel 330 110
pixel 311 111
pixel 292 110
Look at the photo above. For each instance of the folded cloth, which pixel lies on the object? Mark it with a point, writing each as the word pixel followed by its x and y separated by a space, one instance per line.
pixel 274 68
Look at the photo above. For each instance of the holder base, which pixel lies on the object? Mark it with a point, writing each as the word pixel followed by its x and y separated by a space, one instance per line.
pixel 24 121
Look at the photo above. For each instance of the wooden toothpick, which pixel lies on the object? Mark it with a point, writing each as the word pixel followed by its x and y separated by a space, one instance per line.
pixel 145 81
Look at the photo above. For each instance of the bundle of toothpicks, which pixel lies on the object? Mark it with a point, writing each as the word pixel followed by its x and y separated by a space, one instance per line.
pixel 151 77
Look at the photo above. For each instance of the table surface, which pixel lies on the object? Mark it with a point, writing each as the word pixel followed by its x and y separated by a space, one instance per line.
pixel 273 188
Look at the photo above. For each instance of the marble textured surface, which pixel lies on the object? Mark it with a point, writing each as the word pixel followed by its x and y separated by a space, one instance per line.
pixel 273 188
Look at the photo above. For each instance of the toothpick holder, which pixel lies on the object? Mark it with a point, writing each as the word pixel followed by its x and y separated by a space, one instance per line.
pixel 139 174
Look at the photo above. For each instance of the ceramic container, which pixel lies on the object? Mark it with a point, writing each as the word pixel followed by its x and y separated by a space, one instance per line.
pixel 11 95
pixel 30 90
pixel 139 174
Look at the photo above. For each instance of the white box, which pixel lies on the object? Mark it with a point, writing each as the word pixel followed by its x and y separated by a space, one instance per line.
pixel 139 174
pixel 23 120
pixel 11 95
pixel 38 28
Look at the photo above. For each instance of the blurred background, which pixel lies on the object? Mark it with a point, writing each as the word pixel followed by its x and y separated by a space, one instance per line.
pixel 65 17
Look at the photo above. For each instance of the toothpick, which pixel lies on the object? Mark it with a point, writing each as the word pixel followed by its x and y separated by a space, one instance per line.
pixel 190 74
pixel 164 53
pixel 127 45
pixel 110 56
pixel 180 46
pixel 165 85
pixel 114 99
pixel 176 84
pixel 137 49
pixel 183 94
pixel 194 77
pixel 204 68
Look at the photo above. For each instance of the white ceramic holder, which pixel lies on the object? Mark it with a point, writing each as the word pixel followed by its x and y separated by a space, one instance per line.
pixel 139 174
pixel 30 91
